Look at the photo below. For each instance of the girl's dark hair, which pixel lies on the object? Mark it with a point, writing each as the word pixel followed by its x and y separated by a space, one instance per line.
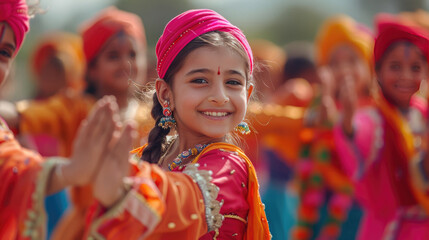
pixel 157 136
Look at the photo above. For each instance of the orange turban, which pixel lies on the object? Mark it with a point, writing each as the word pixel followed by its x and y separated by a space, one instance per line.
pixel 109 22
pixel 68 48
pixel 339 30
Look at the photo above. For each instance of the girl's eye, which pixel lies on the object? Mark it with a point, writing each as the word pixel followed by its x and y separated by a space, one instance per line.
pixel 133 54
pixel 113 56
pixel 395 66
pixel 234 82
pixel 416 68
pixel 199 81
pixel 5 53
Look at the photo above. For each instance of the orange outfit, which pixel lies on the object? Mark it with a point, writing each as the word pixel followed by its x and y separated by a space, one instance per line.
pixel 185 203
pixel 23 176
pixel 60 117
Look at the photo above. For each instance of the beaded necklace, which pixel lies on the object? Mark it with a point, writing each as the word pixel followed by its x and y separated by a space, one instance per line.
pixel 186 154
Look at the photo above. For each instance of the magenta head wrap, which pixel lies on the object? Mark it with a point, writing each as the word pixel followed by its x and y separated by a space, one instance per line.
pixel 14 13
pixel 187 26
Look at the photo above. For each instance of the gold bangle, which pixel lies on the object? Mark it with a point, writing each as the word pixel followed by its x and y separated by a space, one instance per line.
pixel 59 172
pixel 235 217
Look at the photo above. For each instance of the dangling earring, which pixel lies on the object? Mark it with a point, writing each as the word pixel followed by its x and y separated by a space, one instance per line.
pixel 243 128
pixel 167 121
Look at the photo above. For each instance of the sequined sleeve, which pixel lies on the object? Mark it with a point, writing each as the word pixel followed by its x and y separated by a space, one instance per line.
pixel 159 204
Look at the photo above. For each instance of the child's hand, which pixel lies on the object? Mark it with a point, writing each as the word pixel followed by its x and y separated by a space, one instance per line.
pixel 328 112
pixel 91 142
pixel 108 185
pixel 348 98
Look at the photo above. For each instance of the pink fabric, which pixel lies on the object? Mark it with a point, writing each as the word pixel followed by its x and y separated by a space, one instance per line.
pixel 187 26
pixel 371 175
pixel 229 174
pixel 14 13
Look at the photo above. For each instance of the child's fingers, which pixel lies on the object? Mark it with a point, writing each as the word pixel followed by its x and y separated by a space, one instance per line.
pixel 121 148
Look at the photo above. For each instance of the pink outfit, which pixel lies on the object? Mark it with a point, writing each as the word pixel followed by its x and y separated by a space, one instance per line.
pixel 187 26
pixel 230 176
pixel 391 211
pixel 14 13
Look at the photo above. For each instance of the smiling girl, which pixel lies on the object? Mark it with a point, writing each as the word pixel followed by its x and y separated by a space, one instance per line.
pixel 378 146
pixel 200 186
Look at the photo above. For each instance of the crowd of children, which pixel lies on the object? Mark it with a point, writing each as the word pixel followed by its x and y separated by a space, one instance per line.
pixel 238 140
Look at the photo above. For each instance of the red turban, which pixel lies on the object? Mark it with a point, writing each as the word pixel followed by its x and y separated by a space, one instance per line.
pixel 109 22
pixel 187 26
pixel 14 13
pixel 68 48
pixel 390 30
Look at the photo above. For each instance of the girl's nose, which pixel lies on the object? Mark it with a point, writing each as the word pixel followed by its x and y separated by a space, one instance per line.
pixel 219 95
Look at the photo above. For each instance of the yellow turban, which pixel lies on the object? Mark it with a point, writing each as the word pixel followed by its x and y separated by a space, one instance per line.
pixel 339 30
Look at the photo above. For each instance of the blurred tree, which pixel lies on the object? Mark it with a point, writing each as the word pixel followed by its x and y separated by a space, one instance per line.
pixel 294 23
pixel 155 14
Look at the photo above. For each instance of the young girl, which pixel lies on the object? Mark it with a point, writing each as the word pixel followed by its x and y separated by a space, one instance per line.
pixel 26 179
pixel 379 145
pixel 343 51
pixel 199 186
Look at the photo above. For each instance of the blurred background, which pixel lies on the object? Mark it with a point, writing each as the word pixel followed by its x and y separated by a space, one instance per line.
pixel 280 21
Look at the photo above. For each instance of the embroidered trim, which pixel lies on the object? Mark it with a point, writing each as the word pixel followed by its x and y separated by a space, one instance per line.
pixel 136 206
pixel 233 216
pixel 209 192
pixel 35 223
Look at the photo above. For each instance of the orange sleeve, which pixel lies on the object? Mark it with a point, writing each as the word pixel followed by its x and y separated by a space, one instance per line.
pixel 58 116
pixel 159 205
pixel 23 177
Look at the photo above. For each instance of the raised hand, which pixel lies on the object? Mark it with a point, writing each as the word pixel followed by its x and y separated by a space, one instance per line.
pixel 349 101
pixel 329 109
pixel 108 185
pixel 90 144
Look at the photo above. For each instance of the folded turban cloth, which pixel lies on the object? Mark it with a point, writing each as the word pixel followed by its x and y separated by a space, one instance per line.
pixel 187 26
pixel 68 48
pixel 109 22
pixel 14 13
pixel 390 29
pixel 340 30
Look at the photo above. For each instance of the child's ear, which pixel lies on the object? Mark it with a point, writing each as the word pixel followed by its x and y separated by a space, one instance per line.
pixel 249 91
pixel 163 92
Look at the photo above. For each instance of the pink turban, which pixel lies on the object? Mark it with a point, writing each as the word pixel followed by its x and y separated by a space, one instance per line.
pixel 187 26
pixel 390 29
pixel 14 13
pixel 109 22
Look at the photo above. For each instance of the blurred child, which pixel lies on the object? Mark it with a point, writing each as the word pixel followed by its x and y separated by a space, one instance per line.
pixel 343 50
pixel 379 145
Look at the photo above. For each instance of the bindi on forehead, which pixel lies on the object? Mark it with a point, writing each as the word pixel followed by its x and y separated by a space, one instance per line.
pixel 218 70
